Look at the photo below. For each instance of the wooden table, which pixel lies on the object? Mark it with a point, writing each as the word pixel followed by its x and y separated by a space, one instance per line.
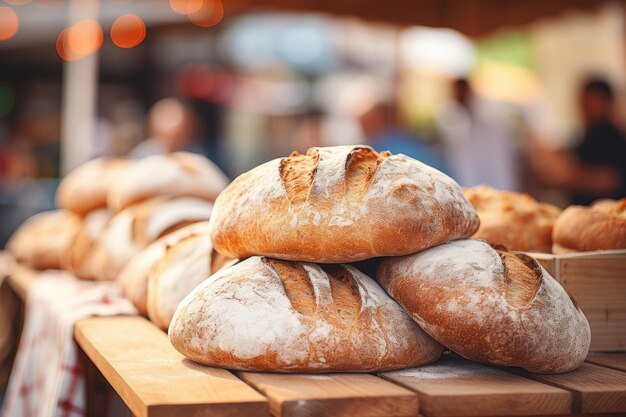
pixel 154 380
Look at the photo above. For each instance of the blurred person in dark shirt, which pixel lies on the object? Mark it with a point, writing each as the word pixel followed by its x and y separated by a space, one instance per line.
pixel 596 167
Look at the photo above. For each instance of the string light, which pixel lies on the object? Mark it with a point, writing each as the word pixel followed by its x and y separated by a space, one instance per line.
pixel 79 40
pixel 128 31
pixel 9 23
pixel 210 14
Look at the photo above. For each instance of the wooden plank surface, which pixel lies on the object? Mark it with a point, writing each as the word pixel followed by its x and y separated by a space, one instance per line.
pixel 336 395
pixel 154 380
pixel 596 389
pixel 599 286
pixel 457 387
pixel 615 360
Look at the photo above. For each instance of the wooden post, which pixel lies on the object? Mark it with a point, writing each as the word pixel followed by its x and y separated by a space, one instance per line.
pixel 78 102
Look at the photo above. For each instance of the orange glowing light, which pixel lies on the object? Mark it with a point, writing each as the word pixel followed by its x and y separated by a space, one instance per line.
pixel 80 40
pixel 186 6
pixel 128 31
pixel 210 14
pixel 9 23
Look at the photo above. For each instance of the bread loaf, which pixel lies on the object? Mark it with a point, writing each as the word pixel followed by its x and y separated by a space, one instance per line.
pixel 269 315
pixel 490 305
pixel 514 220
pixel 41 239
pixel 183 265
pixel 339 204
pixel 176 174
pixel 133 278
pixel 601 226
pixel 77 258
pixel 87 187
pixel 138 225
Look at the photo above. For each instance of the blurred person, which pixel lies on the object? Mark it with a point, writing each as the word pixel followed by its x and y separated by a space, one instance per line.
pixel 480 146
pixel 382 132
pixel 596 167
pixel 171 127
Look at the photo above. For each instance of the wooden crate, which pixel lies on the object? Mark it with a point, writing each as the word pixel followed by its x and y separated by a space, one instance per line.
pixel 597 281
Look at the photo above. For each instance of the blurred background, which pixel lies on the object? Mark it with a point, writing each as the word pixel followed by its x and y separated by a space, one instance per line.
pixel 522 95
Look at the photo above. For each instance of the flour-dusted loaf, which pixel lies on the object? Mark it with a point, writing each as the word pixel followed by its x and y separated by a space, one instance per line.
pixel 42 238
pixel 183 265
pixel 339 204
pixel 78 256
pixel 133 278
pixel 87 187
pixel 600 226
pixel 515 220
pixel 177 174
pixel 269 315
pixel 140 224
pixel 490 305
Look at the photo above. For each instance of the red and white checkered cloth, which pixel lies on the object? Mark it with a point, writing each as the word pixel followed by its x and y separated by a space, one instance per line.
pixel 47 379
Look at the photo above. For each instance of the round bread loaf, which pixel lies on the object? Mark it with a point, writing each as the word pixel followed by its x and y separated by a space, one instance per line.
pixel 183 265
pixel 339 204
pixel 490 305
pixel 87 187
pixel 176 174
pixel 133 278
pixel 514 220
pixel 269 315
pixel 78 256
pixel 601 226
pixel 138 225
pixel 42 238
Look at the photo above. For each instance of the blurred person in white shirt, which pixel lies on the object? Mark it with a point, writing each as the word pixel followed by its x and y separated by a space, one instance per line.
pixel 480 146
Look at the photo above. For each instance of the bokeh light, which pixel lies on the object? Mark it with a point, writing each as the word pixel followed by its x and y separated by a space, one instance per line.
pixel 9 23
pixel 128 31
pixel 186 6
pixel 80 40
pixel 210 14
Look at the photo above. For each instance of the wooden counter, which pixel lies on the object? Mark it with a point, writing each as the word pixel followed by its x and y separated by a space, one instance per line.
pixel 154 380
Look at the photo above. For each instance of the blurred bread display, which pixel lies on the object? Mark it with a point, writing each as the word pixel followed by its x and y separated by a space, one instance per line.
pixel 515 220
pixel 600 226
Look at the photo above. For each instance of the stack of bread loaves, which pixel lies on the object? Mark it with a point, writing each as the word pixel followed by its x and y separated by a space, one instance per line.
pixel 295 306
pixel 112 208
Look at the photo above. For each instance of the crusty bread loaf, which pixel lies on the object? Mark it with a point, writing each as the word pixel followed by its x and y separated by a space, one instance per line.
pixel 601 226
pixel 176 174
pixel 140 224
pixel 183 265
pixel 41 239
pixel 514 220
pixel 133 278
pixel 87 187
pixel 269 315
pixel 339 204
pixel 490 305
pixel 78 256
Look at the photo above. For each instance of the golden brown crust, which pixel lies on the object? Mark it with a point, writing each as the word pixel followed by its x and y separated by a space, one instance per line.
pixel 602 226
pixel 175 174
pixel 514 220
pixel 490 306
pixel 138 225
pixel 270 315
pixel 42 239
pixel 78 256
pixel 339 204
pixel 87 187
